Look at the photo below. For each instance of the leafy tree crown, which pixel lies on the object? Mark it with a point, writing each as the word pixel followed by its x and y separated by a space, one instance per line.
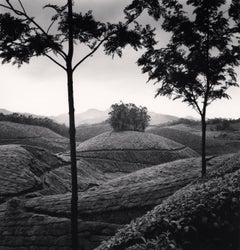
pixel 198 64
pixel 128 117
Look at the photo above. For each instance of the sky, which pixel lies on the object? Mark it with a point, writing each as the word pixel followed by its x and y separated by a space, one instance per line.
pixel 40 87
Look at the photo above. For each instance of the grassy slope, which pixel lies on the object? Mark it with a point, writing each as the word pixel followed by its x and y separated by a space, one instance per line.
pixel 130 151
pixel 101 209
pixel 27 170
pixel 203 215
pixel 87 131
pixel 189 139
pixel 144 188
pixel 218 142
pixel 128 140
pixel 15 133
pixel 22 169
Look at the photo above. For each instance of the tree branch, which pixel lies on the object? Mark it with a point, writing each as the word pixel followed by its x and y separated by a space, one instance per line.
pixel 55 61
pixel 89 54
pixel 103 40
pixel 195 103
pixel 5 6
pixel 51 24
pixel 23 13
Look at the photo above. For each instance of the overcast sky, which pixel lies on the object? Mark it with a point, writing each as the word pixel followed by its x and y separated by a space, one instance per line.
pixel 40 87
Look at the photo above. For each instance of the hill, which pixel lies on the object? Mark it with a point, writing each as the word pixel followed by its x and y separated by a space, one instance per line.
pixel 104 209
pixel 129 151
pixel 202 215
pixel 90 116
pixel 157 118
pixel 17 133
pixel 93 116
pixel 186 132
pixel 5 111
pixel 87 131
pixel 24 169
pixel 33 171
pixel 192 140
pixel 35 120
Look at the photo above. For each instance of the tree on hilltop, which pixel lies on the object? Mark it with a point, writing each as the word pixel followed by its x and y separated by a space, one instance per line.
pixel 128 117
pixel 22 37
pixel 198 64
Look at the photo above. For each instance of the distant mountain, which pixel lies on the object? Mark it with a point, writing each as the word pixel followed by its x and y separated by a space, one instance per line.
pixel 93 116
pixel 157 118
pixel 189 117
pixel 5 112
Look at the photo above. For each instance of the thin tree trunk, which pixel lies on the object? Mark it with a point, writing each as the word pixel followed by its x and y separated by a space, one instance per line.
pixel 205 103
pixel 204 164
pixel 74 199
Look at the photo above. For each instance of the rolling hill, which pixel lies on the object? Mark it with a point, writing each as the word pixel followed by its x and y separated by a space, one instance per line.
pixel 217 141
pixel 33 171
pixel 87 131
pixel 189 139
pixel 129 151
pixel 43 222
pixel 121 176
pixel 5 111
pixel 23 170
pixel 17 133
pixel 202 215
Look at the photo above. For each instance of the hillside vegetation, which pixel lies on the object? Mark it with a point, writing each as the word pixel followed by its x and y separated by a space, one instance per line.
pixel 35 120
pixel 23 170
pixel 17 133
pixel 128 140
pixel 87 131
pixel 190 139
pixel 33 171
pixel 203 215
pixel 104 209
pixel 189 134
pixel 128 151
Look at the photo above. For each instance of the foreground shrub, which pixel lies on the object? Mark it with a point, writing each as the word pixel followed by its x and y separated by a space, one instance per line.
pixel 201 216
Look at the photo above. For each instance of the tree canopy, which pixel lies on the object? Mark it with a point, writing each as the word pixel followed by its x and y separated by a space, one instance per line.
pixel 22 37
pixel 198 64
pixel 61 129
pixel 128 117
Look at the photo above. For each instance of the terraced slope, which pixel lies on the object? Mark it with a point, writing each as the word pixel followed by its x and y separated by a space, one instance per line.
pixel 24 170
pixel 16 133
pixel 87 131
pixel 218 142
pixel 204 215
pixel 43 222
pixel 189 139
pixel 129 151
pixel 32 171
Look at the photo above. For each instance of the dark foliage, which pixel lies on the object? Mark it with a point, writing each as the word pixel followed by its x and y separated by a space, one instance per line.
pixel 38 121
pixel 129 117
pixel 203 215
pixel 22 37
pixel 198 64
